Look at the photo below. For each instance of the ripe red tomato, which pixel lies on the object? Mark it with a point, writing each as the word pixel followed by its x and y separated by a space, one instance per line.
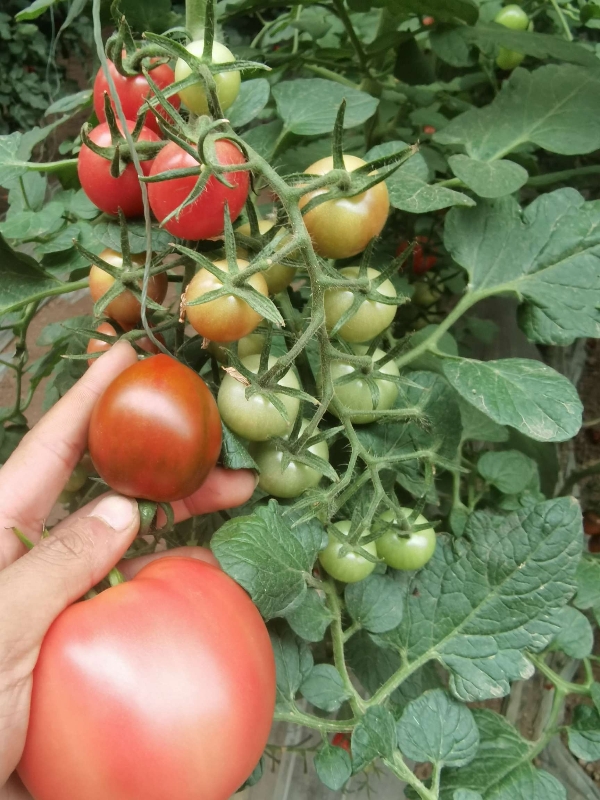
pixel 125 308
pixel 342 740
pixel 106 192
pixel 203 217
pixel 429 130
pixel 428 20
pixel 133 92
pixel 422 262
pixel 162 687
pixel 100 346
pixel 155 433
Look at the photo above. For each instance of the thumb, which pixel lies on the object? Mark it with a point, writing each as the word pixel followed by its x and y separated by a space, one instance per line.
pixel 79 552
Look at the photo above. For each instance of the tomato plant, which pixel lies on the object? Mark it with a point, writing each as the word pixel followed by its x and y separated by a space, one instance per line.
pixel 371 316
pixel 107 192
pixel 227 83
pixel 351 566
pixel 163 398
pixel 202 218
pixel 407 543
pixel 226 318
pixel 361 391
pixel 204 676
pixel 278 276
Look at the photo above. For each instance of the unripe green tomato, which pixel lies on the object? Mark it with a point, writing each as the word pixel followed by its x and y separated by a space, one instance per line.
pixel 78 477
pixel 227 83
pixel 425 295
pixel 278 276
pixel 250 345
pixel 295 478
pixel 370 318
pixel 351 567
pixel 412 552
pixel 256 418
pixel 508 59
pixel 513 17
pixel 356 395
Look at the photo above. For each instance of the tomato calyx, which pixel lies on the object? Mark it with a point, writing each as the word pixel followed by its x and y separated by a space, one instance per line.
pixel 119 151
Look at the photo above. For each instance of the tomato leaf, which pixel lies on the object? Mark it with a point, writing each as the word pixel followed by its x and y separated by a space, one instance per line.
pixel 575 637
pixel 294 662
pixel 588 583
pixel 376 603
pixel 333 766
pixel 268 557
pixel 489 178
pixel 253 97
pixel 476 425
pixel 373 737
pixel 21 279
pixel 509 471
pixel 234 454
pixel 584 734
pixel 324 688
pixel 312 617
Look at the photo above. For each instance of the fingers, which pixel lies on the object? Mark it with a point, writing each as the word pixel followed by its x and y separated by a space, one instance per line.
pixel 131 566
pixel 37 471
pixel 224 488
pixel 80 552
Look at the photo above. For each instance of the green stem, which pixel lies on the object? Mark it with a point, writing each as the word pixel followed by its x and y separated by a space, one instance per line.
pixel 577 476
pixel 337 636
pixel 399 768
pixel 562 176
pixel 551 726
pixel 317 723
pixel 356 43
pixel 563 21
pixel 349 632
pixel 63 288
pixel 195 12
pixel 566 687
pixel 330 75
pixel 51 166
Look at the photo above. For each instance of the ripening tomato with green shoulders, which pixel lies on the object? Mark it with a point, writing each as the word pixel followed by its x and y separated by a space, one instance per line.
pixel 155 433
pixel 203 217
pixel 406 544
pixel 228 83
pixel 125 308
pixel 160 687
pixel 227 318
pixel 344 227
pixel 352 566
pixel 370 318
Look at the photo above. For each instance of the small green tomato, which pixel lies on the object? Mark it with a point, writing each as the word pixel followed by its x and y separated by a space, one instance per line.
pixel 227 83
pixel 411 552
pixel 369 319
pixel 351 567
pixel 513 17
pixel 356 395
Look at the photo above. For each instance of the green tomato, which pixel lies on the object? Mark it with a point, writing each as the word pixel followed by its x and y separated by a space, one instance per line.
pixel 513 17
pixel 411 552
pixel 369 319
pixel 295 478
pixel 351 567
pixel 425 295
pixel 256 418
pixel 356 395
pixel 278 276
pixel 508 59
pixel 77 479
pixel 250 345
pixel 228 83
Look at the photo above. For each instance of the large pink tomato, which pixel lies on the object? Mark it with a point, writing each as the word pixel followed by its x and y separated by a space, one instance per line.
pixel 162 688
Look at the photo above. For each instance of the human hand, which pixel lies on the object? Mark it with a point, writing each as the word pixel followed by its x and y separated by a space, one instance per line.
pixel 35 587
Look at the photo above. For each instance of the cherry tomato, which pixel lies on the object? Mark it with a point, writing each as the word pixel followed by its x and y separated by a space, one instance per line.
pixel 513 17
pixel 155 433
pixel 400 552
pixel 227 83
pixel 161 687
pixel 250 345
pixel 429 130
pixel 356 395
pixel 255 418
pixel 425 295
pixel 227 318
pixel 108 193
pixel 133 92
pixel 77 478
pixel 100 346
pixel 204 216
pixel 343 228
pixel 428 20
pixel 351 567
pixel 421 262
pixel 370 318
pixel 342 740
pixel 125 308
pixel 295 478
pixel 278 276
pixel 591 523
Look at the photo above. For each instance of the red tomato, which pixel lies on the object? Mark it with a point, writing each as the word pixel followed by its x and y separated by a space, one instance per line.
pixel 591 523
pixel 202 218
pixel 341 740
pixel 163 687
pixel 155 433
pixel 106 192
pixel 421 263
pixel 429 130
pixel 133 92
pixel 100 346
pixel 428 21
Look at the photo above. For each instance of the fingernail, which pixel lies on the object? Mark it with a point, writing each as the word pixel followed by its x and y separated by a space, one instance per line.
pixel 116 510
pixel 256 478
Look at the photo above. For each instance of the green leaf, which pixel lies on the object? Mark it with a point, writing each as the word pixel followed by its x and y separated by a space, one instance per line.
pixel 408 187
pixel 527 395
pixel 263 138
pixel 575 637
pixel 373 737
pixel 333 766
pixel 253 97
pixel 31 224
pixel 108 233
pixel 489 178
pixel 438 729
pixel 311 618
pixel 34 185
pixel 584 733
pixel 70 103
pixel 429 361
pixel 144 16
pixel 293 662
pixel 588 583
pixel 233 451
pixel 376 603
pixel 479 427
pixel 466 794
pixel 308 106
pixel 12 165
pixel 501 769
pixel 466 609
pixel 595 694
pixel 21 279
pixel 546 255
pixel 33 11
pixel 510 471
pixel 442 10
pixel 268 557
pixel 324 688
pixel 537 107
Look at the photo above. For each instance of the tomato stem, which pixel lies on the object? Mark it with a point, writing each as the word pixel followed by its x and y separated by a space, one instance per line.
pixel 115 577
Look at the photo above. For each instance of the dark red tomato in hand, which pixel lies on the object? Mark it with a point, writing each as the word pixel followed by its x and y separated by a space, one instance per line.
pixel 155 433
pixel 162 688
pixel 342 740
pixel 422 261
pixel 203 218
pixel 133 93
pixel 106 192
